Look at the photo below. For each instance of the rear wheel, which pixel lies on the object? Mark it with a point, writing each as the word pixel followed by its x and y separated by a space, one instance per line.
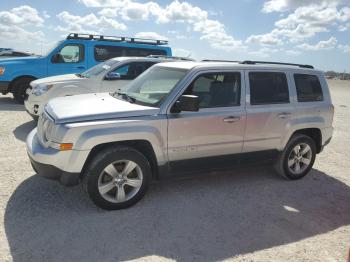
pixel 20 87
pixel 117 178
pixel 297 158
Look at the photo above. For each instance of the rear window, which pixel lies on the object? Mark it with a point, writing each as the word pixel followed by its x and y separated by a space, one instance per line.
pixel 105 52
pixel 308 88
pixel 268 88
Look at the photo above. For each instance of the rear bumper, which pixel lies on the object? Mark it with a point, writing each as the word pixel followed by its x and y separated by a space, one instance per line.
pixel 4 86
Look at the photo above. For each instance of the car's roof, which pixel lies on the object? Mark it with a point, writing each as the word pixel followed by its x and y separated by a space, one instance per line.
pixel 231 65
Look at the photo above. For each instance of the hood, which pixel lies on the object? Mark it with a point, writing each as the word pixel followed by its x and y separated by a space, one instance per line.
pixel 64 79
pixel 20 60
pixel 91 107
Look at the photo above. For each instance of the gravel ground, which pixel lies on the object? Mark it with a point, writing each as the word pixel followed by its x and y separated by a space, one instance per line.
pixel 244 215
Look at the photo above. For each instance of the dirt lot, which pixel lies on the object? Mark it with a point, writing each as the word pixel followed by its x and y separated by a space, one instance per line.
pixel 244 215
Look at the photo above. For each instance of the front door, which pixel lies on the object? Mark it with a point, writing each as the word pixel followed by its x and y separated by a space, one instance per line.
pixel 69 59
pixel 217 129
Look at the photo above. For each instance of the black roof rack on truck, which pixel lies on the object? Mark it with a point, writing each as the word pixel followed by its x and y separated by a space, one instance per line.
pixel 172 57
pixel 116 39
pixel 249 62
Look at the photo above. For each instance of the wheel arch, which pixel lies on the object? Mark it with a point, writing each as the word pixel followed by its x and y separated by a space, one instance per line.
pixel 314 133
pixel 143 146
pixel 13 81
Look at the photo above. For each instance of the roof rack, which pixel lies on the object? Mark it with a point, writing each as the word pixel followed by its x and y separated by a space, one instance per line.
pixel 218 60
pixel 248 62
pixel 116 39
pixel 172 57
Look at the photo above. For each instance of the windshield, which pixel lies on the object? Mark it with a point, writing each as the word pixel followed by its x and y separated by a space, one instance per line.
pixel 153 86
pixel 99 69
pixel 51 48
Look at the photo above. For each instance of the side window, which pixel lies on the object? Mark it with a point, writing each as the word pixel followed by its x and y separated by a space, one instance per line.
pixel 268 88
pixel 217 89
pixel 132 70
pixel 143 52
pixel 308 88
pixel 105 52
pixel 72 53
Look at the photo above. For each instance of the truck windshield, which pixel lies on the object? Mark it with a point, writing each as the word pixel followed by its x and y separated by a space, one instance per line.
pixel 153 86
pixel 99 69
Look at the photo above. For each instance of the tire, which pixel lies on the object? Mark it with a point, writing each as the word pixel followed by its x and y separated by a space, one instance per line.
pixel 289 160
pixel 20 87
pixel 105 189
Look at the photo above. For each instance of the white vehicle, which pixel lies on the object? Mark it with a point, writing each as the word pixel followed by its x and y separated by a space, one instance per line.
pixel 108 76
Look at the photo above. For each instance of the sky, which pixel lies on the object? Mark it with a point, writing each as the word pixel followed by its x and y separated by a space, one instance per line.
pixel 312 32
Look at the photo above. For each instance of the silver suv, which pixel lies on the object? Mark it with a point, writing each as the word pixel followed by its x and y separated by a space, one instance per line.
pixel 184 116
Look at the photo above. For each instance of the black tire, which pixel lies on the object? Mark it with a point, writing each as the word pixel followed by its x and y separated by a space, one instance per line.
pixel 281 165
pixel 20 87
pixel 103 159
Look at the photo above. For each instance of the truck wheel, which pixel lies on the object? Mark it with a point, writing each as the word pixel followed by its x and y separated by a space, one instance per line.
pixel 297 158
pixel 20 87
pixel 117 178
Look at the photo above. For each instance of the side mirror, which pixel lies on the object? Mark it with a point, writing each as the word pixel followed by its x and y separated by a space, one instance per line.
pixel 186 103
pixel 56 58
pixel 112 76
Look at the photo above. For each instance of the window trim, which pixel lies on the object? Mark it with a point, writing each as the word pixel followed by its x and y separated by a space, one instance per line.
pixel 249 93
pixel 81 53
pixel 296 89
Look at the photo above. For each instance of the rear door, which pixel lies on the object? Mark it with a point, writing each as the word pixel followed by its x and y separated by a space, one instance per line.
pixel 217 129
pixel 269 109
pixel 69 58
pixel 128 72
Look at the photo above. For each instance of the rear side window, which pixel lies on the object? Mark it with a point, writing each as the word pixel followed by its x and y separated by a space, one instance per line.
pixel 105 52
pixel 308 88
pixel 268 88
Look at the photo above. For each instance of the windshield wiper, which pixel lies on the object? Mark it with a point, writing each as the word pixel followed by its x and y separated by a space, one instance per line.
pixel 125 96
pixel 80 75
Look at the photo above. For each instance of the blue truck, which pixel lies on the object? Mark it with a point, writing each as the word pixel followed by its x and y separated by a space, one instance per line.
pixel 75 54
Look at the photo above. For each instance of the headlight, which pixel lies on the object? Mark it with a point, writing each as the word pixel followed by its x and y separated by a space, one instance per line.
pixel 41 89
pixel 2 70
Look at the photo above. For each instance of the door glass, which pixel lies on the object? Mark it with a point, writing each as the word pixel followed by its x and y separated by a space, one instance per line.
pixel 217 89
pixel 70 54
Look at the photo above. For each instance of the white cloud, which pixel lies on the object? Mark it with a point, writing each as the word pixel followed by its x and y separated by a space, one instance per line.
pixel 197 19
pixel 20 24
pixel 305 22
pixel 331 43
pixel 88 23
pixel 46 14
pixel 21 16
pixel 344 48
pixel 264 52
pixel 266 39
pixel 285 5
pixel 108 12
pixel 150 35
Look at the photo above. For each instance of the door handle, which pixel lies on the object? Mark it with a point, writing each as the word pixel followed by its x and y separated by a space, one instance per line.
pixel 80 67
pixel 284 114
pixel 231 119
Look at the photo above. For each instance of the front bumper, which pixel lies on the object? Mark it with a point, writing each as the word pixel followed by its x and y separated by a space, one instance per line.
pixel 33 108
pixel 64 166
pixel 4 86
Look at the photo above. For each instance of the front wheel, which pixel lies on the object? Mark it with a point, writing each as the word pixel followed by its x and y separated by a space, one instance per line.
pixel 20 89
pixel 117 178
pixel 297 158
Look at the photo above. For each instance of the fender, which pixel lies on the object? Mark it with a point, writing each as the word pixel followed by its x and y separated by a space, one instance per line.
pixel 298 124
